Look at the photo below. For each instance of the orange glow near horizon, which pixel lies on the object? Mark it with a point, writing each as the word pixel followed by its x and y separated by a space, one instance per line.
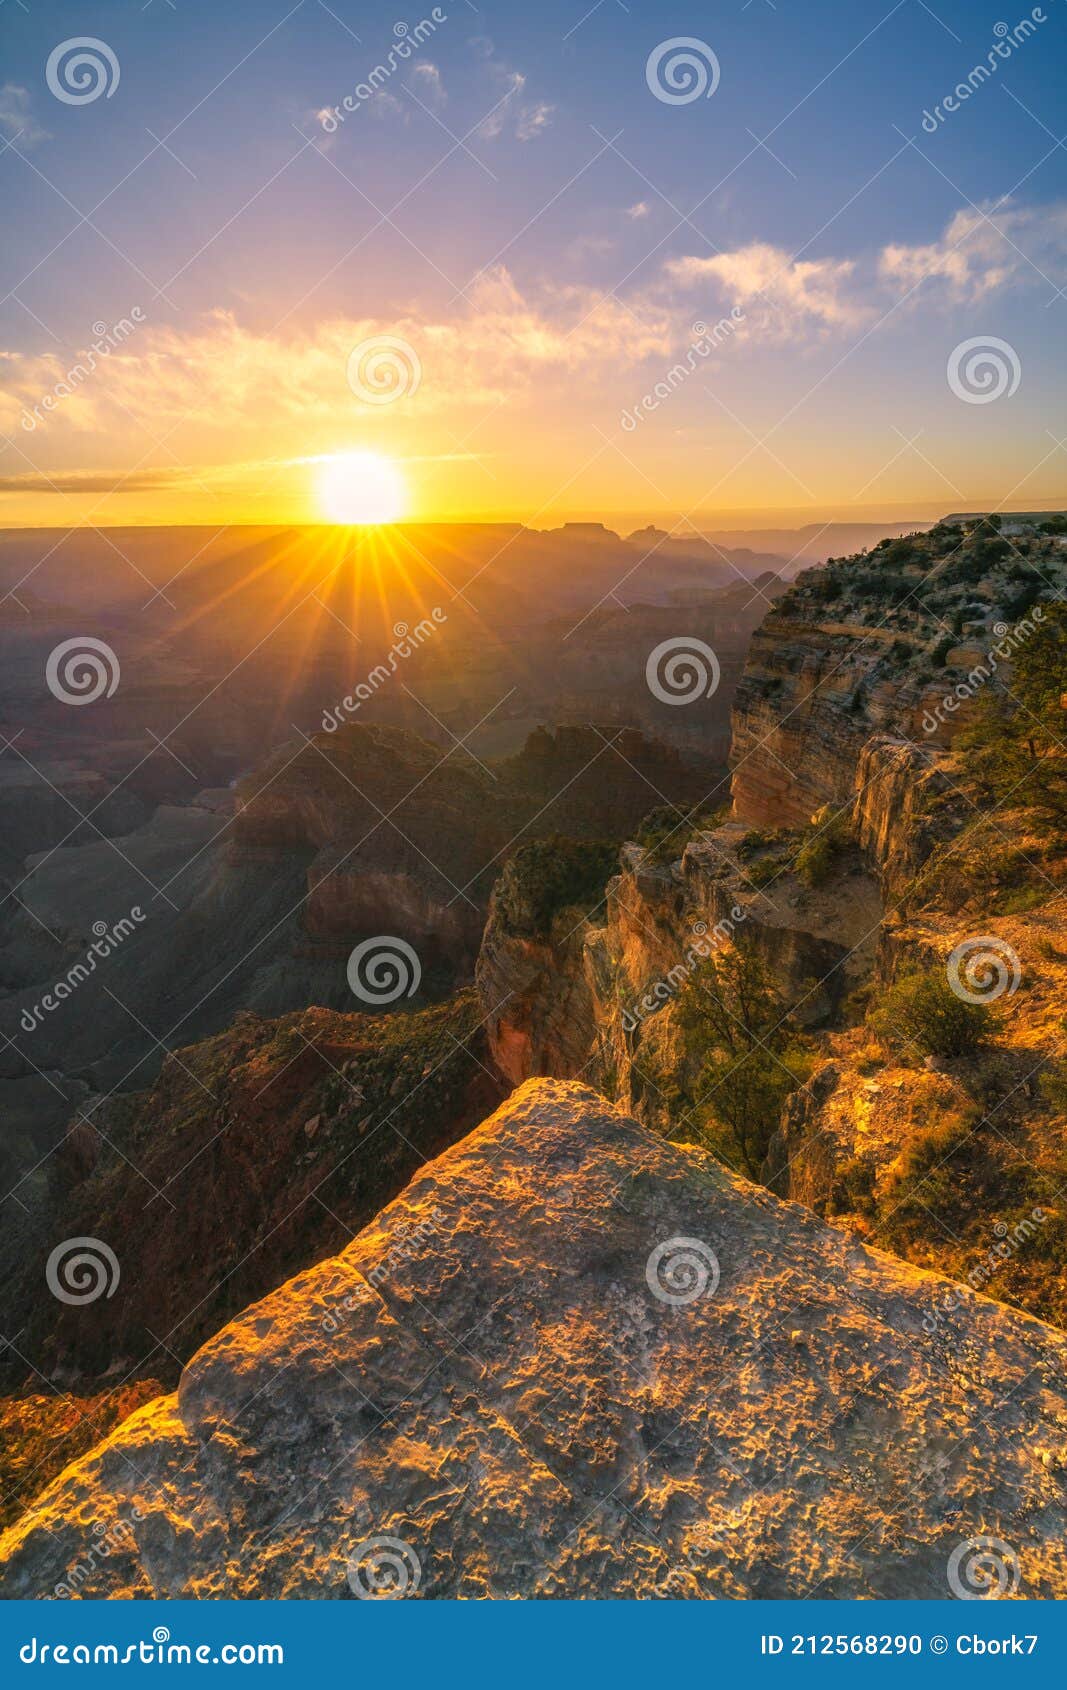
pixel 361 489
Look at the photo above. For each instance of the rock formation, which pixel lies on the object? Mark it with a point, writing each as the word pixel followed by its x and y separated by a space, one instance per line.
pixel 571 1360
pixel 854 856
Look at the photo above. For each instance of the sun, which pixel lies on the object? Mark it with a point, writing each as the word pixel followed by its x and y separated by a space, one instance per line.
pixel 361 487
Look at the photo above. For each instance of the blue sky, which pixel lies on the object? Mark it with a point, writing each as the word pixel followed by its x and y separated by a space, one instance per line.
pixel 515 179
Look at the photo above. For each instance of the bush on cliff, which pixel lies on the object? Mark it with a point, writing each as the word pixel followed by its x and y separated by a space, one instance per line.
pixel 827 837
pixel 921 1013
pixel 546 876
pixel 736 1025
pixel 1016 748
pixel 666 831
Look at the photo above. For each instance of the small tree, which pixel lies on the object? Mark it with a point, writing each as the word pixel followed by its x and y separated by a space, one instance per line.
pixel 1016 749
pixel 736 1023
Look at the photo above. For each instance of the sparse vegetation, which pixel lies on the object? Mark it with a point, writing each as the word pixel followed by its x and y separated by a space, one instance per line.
pixel 547 876
pixel 40 1435
pixel 667 830
pixel 922 1014
pixel 1017 747
pixel 750 1058
pixel 819 855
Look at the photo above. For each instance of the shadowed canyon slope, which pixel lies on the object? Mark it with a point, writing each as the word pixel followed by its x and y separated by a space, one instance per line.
pixel 574 1360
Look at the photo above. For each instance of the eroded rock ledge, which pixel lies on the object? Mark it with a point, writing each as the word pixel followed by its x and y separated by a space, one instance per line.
pixel 488 1374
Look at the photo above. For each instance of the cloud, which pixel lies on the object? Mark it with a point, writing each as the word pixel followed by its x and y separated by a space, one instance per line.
pixel 508 342
pixel 16 116
pixel 94 481
pixel 638 210
pixel 980 252
pixel 533 119
pixel 983 250
pixel 525 120
pixel 783 290
pixel 225 375
pixel 429 85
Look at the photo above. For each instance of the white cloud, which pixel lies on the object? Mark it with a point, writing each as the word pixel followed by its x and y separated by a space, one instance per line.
pixel 16 116
pixel 429 85
pixel 983 250
pixel 505 341
pixel 502 344
pixel 532 120
pixel 778 289
pixel 979 253
pixel 638 210
pixel 525 120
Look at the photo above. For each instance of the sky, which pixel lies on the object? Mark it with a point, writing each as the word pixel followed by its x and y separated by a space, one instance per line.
pixel 536 258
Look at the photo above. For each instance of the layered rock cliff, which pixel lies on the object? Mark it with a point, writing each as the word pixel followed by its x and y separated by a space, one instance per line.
pixel 857 854
pixel 572 1360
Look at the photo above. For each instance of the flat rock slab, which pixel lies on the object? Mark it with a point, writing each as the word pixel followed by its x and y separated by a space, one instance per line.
pixel 573 1360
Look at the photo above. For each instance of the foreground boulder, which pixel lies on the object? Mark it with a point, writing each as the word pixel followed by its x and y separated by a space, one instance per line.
pixel 574 1360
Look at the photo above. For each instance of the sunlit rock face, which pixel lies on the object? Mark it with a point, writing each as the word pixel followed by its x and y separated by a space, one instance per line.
pixel 598 995
pixel 574 1360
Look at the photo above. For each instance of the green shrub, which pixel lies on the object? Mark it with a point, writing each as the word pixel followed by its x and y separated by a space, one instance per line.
pixel 736 1027
pixel 546 876
pixel 815 859
pixel 1014 747
pixel 1053 1085
pixel 923 1011
pixel 818 855
pixel 666 831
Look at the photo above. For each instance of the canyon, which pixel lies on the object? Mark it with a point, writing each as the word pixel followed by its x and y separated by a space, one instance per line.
pixel 473 1359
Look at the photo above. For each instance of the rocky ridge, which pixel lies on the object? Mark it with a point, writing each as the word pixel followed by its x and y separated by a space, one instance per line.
pixel 573 1360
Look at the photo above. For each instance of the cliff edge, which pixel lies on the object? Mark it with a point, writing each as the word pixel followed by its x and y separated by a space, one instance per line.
pixel 575 1360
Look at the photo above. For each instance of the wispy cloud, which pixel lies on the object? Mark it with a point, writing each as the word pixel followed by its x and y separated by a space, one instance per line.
pixel 818 291
pixel 985 249
pixel 429 85
pixel 17 118
pixel 524 119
